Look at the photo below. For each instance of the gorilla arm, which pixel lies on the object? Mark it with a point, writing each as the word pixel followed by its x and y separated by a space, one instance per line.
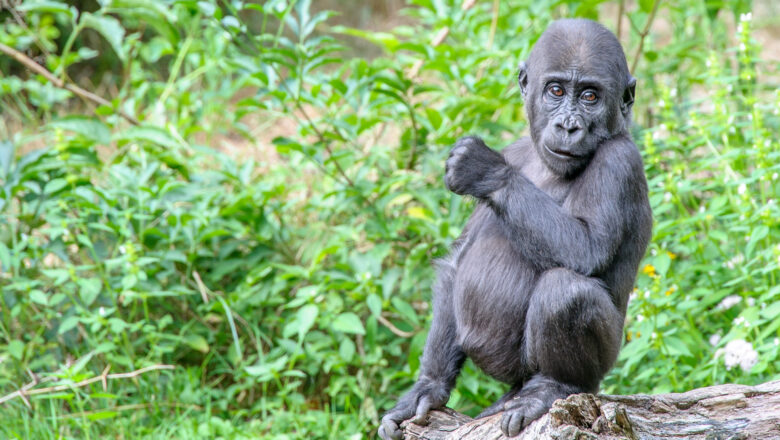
pixel 583 234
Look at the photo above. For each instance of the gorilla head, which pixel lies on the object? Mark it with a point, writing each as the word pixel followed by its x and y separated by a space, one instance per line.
pixel 578 92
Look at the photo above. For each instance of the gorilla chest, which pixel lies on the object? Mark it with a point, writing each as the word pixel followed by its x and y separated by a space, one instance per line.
pixel 546 181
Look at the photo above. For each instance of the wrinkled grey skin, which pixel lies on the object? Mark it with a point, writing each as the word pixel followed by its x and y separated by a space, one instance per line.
pixel 535 289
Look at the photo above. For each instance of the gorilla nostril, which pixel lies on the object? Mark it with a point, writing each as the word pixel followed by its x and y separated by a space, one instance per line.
pixel 567 127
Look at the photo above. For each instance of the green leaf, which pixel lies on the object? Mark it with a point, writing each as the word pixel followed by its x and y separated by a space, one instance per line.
pixel 89 289
pixel 646 5
pixel 349 322
pixel 374 304
pixel 109 28
pixel 6 158
pixel 306 317
pixel 406 310
pixel 67 324
pixel 16 349
pixel 676 347
pixel 147 133
pixel 102 415
pixel 54 186
pixel 757 235
pixel 347 349
pixel 47 6
pixel 197 342
pixel 90 128
pixel 39 297
pixel 5 258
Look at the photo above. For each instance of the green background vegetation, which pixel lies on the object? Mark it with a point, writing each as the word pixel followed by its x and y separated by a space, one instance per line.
pixel 269 224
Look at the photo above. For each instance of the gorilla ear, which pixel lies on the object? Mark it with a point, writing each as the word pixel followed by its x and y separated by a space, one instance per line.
pixel 522 76
pixel 628 95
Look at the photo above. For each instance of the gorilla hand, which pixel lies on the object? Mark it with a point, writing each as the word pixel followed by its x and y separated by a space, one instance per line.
pixel 424 396
pixel 475 169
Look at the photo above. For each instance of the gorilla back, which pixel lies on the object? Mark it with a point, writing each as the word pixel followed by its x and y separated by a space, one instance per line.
pixel 536 287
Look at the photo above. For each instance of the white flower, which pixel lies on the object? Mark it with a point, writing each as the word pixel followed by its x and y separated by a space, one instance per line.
pixel 777 341
pixel 751 302
pixel 734 262
pixel 714 339
pixel 102 311
pixel 654 335
pixel 742 188
pixel 738 352
pixel 640 318
pixel 729 302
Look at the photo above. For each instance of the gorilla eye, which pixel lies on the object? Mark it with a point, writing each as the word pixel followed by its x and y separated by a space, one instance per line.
pixel 556 90
pixel 589 96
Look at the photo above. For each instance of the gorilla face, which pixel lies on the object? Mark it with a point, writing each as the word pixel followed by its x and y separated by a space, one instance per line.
pixel 578 93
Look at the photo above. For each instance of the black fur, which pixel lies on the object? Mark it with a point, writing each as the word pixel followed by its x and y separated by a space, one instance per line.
pixel 535 290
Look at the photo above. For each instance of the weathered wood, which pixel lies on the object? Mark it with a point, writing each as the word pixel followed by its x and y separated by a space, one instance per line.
pixel 722 412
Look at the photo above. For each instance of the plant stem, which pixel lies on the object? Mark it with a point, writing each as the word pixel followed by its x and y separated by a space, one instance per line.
pixel 76 90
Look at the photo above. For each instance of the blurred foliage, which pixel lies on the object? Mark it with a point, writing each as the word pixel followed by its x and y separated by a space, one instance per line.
pixel 289 281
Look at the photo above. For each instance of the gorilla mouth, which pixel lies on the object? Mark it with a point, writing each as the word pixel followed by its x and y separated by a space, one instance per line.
pixel 561 153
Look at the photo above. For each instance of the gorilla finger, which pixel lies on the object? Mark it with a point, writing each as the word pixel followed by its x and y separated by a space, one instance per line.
pixel 512 423
pixel 505 422
pixel 487 412
pixel 423 407
pixel 390 430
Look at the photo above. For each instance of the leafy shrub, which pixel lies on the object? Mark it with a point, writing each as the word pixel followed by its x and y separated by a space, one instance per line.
pixel 291 293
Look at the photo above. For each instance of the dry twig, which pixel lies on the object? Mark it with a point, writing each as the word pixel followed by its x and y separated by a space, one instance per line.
pixel 438 39
pixel 643 33
pixel 397 331
pixel 103 378
pixel 76 90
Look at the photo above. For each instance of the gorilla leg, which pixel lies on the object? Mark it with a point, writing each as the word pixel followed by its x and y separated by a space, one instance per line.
pixel 441 362
pixel 573 335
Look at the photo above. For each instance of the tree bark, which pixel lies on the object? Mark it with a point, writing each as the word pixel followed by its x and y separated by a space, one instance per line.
pixel 733 412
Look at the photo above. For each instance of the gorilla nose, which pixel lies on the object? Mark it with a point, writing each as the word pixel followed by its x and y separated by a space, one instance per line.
pixel 569 125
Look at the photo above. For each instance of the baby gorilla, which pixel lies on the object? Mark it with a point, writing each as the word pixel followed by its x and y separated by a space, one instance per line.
pixel 535 289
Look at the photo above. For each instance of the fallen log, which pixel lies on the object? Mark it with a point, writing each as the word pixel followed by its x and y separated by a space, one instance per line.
pixel 731 412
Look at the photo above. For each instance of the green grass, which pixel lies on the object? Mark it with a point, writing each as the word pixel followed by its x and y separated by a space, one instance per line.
pixel 290 291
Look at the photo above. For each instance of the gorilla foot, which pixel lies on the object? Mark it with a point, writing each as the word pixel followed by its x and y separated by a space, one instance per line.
pixel 533 401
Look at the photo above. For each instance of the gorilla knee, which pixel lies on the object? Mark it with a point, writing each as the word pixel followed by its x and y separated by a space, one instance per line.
pixel 574 329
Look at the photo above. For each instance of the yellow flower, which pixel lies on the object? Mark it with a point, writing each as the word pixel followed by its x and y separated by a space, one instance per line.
pixel 649 270
pixel 671 255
